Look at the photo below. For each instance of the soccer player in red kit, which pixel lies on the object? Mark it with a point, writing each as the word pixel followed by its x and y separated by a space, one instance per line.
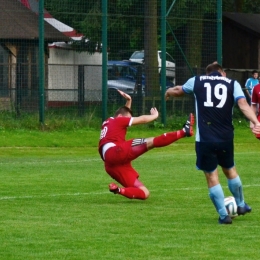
pixel 255 104
pixel 117 153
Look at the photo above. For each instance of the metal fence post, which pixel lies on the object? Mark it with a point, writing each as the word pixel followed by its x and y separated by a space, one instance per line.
pixel 163 57
pixel 104 60
pixel 81 90
pixel 41 62
pixel 219 31
pixel 139 90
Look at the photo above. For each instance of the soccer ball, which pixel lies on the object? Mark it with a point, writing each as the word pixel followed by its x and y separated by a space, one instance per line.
pixel 231 206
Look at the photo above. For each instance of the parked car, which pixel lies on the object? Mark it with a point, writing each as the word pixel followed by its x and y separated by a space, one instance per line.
pixel 123 77
pixel 128 70
pixel 138 56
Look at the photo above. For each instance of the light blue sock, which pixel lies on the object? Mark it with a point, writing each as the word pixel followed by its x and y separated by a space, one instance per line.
pixel 216 194
pixel 235 187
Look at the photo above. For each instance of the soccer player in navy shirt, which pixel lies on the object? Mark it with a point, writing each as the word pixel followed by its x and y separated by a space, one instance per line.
pixel 215 96
pixel 118 153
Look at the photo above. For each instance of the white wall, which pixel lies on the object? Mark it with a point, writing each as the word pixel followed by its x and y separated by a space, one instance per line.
pixel 63 75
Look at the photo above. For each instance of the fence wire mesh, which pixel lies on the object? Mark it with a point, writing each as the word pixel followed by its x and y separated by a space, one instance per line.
pixel 73 53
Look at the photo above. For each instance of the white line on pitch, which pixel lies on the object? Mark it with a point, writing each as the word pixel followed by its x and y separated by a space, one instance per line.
pixel 92 193
pixel 50 195
pixel 51 161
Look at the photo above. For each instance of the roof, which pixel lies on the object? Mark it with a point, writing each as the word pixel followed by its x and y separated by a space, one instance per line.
pixel 18 22
pixel 64 28
pixel 247 22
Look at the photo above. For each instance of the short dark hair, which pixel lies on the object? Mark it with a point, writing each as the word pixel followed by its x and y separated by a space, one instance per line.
pixel 254 71
pixel 124 110
pixel 213 67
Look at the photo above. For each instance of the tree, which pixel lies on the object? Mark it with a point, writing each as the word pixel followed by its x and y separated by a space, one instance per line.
pixel 151 47
pixel 188 17
pixel 132 25
pixel 242 6
pixel 125 20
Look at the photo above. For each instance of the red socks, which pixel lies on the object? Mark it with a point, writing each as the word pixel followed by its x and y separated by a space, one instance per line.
pixel 132 193
pixel 168 138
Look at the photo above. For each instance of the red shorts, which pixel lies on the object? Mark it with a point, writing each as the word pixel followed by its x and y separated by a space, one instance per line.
pixel 118 162
pixel 125 174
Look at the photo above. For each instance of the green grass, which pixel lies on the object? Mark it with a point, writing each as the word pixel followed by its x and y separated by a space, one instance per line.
pixel 55 203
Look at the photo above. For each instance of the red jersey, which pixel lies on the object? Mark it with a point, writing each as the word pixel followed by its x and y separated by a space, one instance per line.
pixel 256 96
pixel 114 130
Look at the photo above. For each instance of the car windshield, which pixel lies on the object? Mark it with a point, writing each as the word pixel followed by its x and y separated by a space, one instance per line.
pixel 116 71
pixel 137 55
pixel 168 57
pixel 112 73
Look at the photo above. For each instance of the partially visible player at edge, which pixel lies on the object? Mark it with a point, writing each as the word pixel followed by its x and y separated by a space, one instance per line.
pixel 117 153
pixel 215 96
pixel 255 105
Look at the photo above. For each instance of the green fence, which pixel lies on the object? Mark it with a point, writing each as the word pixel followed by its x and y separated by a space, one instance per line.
pixel 57 65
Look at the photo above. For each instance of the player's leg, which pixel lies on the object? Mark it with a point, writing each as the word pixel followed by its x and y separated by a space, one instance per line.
pixel 170 137
pixel 138 191
pixel 226 161
pixel 131 149
pixel 216 195
pixel 207 162
pixel 126 175
pixel 236 188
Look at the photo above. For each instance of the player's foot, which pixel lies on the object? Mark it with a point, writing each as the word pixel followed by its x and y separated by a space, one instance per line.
pixel 243 210
pixel 226 220
pixel 187 127
pixel 113 188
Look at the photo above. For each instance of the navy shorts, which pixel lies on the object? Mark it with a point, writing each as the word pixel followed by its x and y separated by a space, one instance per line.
pixel 210 155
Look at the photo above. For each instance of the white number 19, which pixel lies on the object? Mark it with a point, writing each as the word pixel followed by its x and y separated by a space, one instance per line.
pixel 220 92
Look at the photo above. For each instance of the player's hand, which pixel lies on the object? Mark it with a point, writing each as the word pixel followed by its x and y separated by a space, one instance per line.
pixel 167 95
pixel 154 111
pixel 251 125
pixel 124 95
pixel 256 129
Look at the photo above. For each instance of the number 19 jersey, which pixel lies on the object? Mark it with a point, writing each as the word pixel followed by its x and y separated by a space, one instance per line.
pixel 215 97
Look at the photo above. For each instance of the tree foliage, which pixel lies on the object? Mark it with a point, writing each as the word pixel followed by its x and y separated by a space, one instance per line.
pixel 242 6
pixel 126 22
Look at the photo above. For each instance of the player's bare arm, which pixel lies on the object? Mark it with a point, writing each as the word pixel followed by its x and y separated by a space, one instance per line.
pixel 146 118
pixel 250 114
pixel 127 98
pixel 174 92
pixel 254 108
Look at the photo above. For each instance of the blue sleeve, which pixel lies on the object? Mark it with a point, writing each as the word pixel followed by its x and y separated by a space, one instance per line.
pixel 189 86
pixel 238 92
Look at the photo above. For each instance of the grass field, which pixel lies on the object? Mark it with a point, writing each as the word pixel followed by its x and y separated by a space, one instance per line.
pixel 55 203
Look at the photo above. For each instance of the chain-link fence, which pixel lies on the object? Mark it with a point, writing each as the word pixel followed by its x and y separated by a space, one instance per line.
pixel 137 44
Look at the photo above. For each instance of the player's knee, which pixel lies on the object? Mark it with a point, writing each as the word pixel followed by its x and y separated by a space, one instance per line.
pixel 146 192
pixel 149 143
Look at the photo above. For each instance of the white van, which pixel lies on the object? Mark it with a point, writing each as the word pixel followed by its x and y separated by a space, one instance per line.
pixel 138 56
